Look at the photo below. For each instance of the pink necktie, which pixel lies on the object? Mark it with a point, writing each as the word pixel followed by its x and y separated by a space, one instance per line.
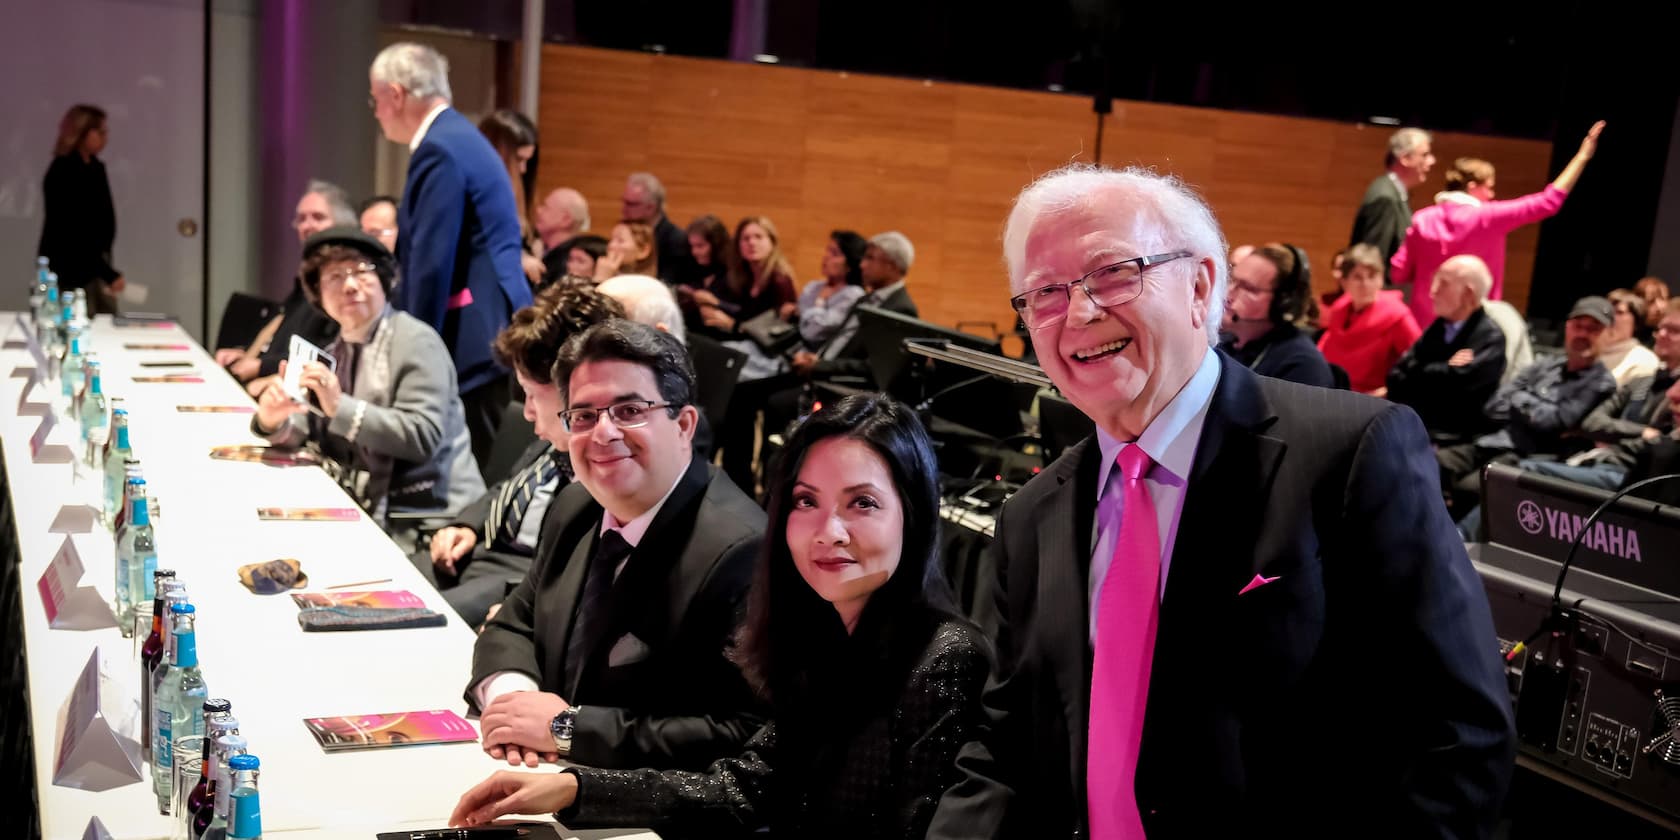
pixel 1125 646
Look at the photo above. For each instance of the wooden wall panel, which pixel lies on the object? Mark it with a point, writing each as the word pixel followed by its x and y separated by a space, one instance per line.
pixel 819 150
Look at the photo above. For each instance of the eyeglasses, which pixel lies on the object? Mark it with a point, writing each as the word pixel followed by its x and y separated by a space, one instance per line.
pixel 336 280
pixel 1667 329
pixel 1241 287
pixel 1112 285
pixel 630 414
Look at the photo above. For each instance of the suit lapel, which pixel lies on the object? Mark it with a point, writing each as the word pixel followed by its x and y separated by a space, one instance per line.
pixel 1214 556
pixel 564 544
pixel 648 568
pixel 563 604
pixel 1070 509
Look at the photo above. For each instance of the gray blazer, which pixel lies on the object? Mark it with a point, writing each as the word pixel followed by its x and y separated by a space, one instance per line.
pixel 399 440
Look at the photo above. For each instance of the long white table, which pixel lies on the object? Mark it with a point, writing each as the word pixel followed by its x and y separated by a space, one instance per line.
pixel 251 648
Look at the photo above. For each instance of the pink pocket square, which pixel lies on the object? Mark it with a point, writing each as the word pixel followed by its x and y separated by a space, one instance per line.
pixel 1259 581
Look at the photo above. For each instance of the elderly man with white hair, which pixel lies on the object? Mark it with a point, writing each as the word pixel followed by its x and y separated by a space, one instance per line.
pixel 1454 368
pixel 1187 604
pixel 459 239
pixel 647 300
pixel 561 216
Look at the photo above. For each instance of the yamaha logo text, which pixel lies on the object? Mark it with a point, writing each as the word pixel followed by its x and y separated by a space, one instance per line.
pixel 1564 526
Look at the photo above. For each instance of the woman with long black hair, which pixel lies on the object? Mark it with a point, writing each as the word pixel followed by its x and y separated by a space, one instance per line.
pixel 873 679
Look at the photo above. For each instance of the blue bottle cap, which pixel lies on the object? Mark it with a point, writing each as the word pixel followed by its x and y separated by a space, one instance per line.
pixel 122 411
pixel 178 609
pixel 244 761
pixel 136 480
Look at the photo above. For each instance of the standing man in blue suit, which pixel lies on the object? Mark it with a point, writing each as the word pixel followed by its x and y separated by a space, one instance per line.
pixel 459 241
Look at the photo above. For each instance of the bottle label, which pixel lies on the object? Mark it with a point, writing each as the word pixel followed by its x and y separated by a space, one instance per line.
pixel 148 570
pixel 245 816
pixel 163 742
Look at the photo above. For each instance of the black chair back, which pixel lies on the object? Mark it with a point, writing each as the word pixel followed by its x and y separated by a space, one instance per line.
pixel 716 370
pixel 244 317
pixel 512 437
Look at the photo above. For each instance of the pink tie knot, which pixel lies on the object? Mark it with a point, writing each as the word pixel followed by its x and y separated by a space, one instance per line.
pixel 1134 463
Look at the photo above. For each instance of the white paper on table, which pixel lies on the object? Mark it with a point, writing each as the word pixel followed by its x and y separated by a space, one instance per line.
pixel 135 293
pixel 96 831
pixel 98 748
pixel 69 604
pixel 43 452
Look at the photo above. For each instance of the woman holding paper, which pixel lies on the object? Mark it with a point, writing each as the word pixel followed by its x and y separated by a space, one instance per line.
pixel 385 416
pixel 872 678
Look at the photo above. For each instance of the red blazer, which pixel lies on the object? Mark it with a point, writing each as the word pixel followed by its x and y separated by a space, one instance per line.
pixel 1367 344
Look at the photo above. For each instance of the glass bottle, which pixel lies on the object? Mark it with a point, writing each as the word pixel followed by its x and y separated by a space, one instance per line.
pixel 244 805
pixel 227 747
pixel 151 652
pixel 116 463
pixel 93 417
pixel 201 804
pixel 179 705
pixel 138 553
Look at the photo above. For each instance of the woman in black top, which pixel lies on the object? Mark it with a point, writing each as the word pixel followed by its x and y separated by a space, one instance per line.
pixel 872 679
pixel 81 223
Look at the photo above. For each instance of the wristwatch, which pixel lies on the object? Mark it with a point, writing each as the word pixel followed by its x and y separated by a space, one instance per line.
pixel 562 727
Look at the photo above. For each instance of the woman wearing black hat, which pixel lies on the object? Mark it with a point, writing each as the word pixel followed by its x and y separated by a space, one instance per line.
pixel 388 419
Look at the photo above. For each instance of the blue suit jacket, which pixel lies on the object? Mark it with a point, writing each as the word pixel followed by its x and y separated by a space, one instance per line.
pixel 459 245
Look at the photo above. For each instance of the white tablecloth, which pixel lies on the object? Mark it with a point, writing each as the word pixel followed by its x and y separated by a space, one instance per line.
pixel 250 647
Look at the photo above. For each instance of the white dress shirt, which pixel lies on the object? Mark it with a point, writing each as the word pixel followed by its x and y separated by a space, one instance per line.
pixel 1170 441
pixel 505 682
pixel 425 125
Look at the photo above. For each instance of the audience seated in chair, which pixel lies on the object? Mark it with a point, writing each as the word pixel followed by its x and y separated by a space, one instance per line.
pixel 1367 329
pixel 322 206
pixel 1541 409
pixel 614 650
pixel 1455 367
pixel 1626 358
pixel 1269 299
pixel 389 424
pixel 490 543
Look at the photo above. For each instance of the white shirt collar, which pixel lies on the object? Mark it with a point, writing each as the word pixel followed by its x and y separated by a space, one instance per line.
pixel 425 125
pixel 1401 185
pixel 635 529
pixel 1170 439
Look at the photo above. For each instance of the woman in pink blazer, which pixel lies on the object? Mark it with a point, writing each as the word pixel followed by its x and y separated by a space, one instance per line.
pixel 1466 220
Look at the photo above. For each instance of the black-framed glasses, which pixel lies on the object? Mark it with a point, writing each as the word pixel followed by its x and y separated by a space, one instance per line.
pixel 630 414
pixel 1111 285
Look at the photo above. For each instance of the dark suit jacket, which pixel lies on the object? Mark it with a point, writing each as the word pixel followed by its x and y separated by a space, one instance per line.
pixel 683 704
pixel 1384 215
pixel 459 246
pixel 473 515
pixel 1450 399
pixel 852 359
pixel 1270 713
pixel 671 243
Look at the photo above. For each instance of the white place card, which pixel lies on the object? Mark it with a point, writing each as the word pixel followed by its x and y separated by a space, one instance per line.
pixel 43 452
pixel 19 334
pixel 74 519
pixel 96 831
pixel 69 604
pixel 99 747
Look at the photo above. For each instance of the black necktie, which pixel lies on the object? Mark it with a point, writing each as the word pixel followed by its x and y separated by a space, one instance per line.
pixel 610 550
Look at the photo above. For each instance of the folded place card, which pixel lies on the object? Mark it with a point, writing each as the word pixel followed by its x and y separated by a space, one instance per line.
pixel 99 748
pixel 74 519
pixel 95 831
pixel 69 604
pixel 43 452
pixel 21 334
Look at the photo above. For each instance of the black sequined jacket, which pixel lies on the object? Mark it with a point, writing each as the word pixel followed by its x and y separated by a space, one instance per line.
pixel 874 775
